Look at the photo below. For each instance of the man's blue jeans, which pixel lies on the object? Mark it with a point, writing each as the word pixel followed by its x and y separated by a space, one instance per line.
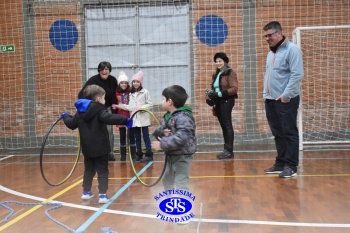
pixel 282 118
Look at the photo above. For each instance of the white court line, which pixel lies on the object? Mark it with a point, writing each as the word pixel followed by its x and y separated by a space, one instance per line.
pixel 7 157
pixel 298 224
pixel 2 188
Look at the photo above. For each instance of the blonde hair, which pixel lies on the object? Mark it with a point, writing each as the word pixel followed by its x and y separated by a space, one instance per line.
pixel 93 91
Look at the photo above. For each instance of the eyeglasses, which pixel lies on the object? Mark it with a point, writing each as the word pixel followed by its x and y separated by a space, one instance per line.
pixel 267 36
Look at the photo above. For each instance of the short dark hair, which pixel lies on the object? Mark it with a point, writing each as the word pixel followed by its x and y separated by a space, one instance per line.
pixel 221 55
pixel 177 94
pixel 93 91
pixel 273 25
pixel 103 65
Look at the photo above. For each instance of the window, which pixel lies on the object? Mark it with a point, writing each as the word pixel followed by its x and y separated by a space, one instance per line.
pixel 154 39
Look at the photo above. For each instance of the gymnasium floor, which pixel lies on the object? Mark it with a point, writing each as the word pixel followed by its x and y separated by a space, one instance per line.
pixel 230 196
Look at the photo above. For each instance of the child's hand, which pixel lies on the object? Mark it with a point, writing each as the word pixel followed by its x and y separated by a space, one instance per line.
pixel 129 123
pixel 137 108
pixel 156 145
pixel 63 115
pixel 115 106
pixel 167 132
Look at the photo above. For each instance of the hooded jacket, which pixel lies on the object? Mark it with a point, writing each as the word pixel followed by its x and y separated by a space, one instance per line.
pixel 182 139
pixel 92 119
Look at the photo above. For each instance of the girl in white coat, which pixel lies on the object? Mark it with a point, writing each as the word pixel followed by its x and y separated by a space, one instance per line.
pixel 140 98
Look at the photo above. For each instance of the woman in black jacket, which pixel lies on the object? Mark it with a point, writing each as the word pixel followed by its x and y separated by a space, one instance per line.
pixel 109 83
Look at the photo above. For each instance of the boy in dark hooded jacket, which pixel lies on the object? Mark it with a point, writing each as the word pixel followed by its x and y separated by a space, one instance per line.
pixel 92 119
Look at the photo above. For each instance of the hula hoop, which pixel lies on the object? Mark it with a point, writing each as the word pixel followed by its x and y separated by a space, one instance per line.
pixel 42 155
pixel 130 157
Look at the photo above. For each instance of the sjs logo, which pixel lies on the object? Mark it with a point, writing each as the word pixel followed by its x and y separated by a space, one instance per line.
pixel 175 206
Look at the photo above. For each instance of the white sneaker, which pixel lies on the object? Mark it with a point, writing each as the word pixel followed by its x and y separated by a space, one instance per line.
pixel 87 195
pixel 103 198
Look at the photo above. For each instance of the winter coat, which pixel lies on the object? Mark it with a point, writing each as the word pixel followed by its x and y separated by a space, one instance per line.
pixel 141 99
pixel 92 119
pixel 182 139
pixel 228 84
pixel 123 98
pixel 109 85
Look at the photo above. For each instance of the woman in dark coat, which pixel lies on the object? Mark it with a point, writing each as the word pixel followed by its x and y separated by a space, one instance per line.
pixel 222 97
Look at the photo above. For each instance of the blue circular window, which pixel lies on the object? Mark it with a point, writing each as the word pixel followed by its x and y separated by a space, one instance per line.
pixel 211 30
pixel 63 35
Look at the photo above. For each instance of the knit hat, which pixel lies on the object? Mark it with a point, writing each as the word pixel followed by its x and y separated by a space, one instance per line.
pixel 138 76
pixel 122 77
pixel 221 55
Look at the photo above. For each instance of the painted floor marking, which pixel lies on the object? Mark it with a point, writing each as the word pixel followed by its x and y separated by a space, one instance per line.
pixel 105 210
pixel 115 196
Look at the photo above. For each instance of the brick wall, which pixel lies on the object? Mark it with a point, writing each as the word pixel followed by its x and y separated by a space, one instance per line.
pixel 58 73
pixel 11 68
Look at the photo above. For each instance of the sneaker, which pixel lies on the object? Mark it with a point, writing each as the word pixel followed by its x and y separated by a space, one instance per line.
pixel 103 198
pixel 273 170
pixel 87 195
pixel 287 173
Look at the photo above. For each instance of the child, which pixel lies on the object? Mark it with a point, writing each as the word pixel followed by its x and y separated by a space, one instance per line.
pixel 122 93
pixel 140 98
pixel 92 118
pixel 177 138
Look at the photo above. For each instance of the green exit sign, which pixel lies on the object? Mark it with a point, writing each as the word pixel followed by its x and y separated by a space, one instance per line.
pixel 7 48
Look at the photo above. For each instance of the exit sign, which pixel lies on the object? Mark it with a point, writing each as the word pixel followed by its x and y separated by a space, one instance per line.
pixel 7 48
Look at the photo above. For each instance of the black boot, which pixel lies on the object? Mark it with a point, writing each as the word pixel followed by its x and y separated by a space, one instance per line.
pixel 123 153
pixel 138 157
pixel 111 156
pixel 148 157
pixel 218 155
pixel 134 157
pixel 226 155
